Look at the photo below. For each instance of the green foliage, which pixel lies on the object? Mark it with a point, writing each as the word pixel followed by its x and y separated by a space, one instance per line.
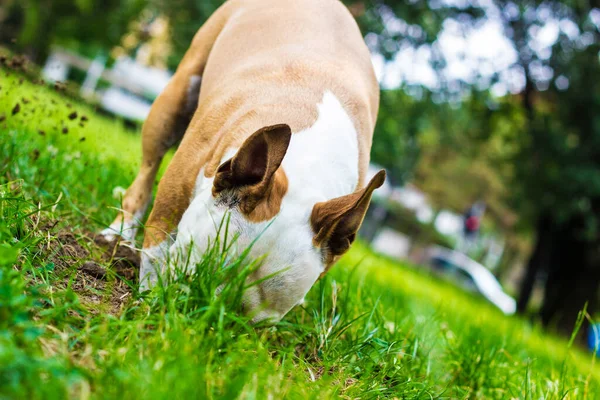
pixel 22 298
pixel 421 21
pixel 401 120
pixel 560 161
pixel 87 26
pixel 187 16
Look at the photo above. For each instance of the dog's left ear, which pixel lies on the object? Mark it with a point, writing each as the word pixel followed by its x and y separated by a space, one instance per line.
pixel 335 222
pixel 254 165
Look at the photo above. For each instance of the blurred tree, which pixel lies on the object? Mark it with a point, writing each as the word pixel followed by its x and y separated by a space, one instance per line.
pixel 148 40
pixel 10 17
pixel 557 164
pixel 560 169
pixel 185 18
pixel 543 143
pixel 88 26
pixel 401 120
pixel 391 24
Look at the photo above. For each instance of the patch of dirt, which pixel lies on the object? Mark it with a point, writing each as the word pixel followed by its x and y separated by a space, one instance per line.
pixel 125 259
pixel 104 272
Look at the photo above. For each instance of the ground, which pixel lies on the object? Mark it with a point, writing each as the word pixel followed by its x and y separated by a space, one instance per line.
pixel 72 323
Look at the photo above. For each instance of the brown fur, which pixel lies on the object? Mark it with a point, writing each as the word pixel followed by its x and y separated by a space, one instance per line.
pixel 262 62
pixel 252 178
pixel 336 221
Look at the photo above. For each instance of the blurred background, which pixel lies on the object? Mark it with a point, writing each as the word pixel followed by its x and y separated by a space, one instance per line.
pixel 488 127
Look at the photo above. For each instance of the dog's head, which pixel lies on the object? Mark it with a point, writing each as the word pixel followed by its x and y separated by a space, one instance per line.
pixel 299 234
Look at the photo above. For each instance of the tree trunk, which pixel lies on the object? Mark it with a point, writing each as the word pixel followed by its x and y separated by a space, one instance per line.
pixel 537 262
pixel 37 18
pixel 573 280
pixel 538 259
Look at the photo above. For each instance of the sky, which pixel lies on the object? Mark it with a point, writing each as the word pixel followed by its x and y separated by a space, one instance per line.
pixel 483 48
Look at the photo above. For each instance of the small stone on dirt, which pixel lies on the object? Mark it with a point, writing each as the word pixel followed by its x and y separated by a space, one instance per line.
pixel 93 269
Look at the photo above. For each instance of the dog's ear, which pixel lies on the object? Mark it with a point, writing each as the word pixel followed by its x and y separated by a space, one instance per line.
pixel 335 222
pixel 254 165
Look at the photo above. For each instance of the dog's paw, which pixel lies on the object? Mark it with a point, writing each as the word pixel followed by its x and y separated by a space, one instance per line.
pixel 106 236
pixel 124 233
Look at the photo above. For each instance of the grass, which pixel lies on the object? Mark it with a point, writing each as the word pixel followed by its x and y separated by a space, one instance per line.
pixel 372 328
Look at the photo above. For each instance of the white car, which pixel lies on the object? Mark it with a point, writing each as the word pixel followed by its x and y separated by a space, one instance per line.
pixel 470 275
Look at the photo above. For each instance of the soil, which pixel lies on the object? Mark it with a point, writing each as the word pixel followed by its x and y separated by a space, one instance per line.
pixel 105 272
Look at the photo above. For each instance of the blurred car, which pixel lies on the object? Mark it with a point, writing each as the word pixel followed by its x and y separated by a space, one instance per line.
pixel 470 275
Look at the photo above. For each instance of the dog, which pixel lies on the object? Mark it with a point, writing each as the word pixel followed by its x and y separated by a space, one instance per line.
pixel 274 105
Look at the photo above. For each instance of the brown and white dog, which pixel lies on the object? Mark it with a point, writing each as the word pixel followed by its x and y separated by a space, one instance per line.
pixel 275 102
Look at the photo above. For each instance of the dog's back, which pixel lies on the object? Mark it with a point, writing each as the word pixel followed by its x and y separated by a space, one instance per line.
pixel 272 61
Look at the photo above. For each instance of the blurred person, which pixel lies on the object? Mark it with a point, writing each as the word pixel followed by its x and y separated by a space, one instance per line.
pixel 471 226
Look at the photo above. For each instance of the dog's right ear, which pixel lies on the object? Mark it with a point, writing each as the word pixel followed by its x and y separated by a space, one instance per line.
pixel 252 168
pixel 336 222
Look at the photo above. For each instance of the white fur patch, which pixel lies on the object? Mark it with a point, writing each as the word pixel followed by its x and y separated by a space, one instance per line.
pixel 321 164
pixel 323 160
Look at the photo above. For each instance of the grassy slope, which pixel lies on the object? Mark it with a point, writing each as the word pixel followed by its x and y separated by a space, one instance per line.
pixel 372 328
